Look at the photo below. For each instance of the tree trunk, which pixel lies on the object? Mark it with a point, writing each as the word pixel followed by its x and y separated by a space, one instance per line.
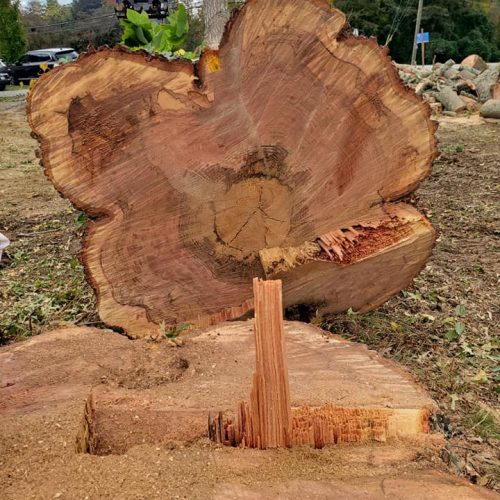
pixel 491 109
pixel 215 16
pixel 282 155
pixel 475 62
pixel 450 100
pixel 485 83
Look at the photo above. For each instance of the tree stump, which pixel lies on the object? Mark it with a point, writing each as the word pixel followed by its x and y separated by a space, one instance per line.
pixel 268 419
pixel 285 154
pixel 138 392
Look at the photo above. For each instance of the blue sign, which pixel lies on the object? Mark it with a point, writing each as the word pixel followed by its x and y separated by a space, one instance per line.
pixel 422 37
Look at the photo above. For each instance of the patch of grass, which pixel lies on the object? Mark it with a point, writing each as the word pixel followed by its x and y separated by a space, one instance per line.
pixel 4 98
pixel 436 338
pixel 452 148
pixel 41 282
pixel 29 164
pixel 172 333
pixel 483 422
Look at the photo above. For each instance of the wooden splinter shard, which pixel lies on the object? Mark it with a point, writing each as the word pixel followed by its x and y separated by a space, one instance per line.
pixel 269 409
pixel 266 422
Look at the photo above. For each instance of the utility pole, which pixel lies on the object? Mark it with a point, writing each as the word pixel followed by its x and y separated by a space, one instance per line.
pixel 417 30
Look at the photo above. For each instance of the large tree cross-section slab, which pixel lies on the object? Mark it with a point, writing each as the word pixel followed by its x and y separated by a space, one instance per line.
pixel 282 155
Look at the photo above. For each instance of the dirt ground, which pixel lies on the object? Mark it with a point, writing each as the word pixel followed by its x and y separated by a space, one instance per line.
pixel 145 423
pixel 444 328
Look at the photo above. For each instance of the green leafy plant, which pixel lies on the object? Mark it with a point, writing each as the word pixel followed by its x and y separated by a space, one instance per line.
pixel 457 330
pixel 140 33
pixel 175 331
pixel 63 60
pixel 81 220
pixel 458 326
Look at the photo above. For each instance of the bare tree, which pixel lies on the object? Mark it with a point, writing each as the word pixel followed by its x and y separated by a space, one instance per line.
pixel 216 15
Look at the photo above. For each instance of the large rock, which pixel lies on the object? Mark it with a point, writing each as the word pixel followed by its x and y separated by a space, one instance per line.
pixel 476 62
pixel 491 109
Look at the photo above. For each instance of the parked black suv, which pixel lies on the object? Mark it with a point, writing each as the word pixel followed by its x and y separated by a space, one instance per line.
pixel 4 76
pixel 28 67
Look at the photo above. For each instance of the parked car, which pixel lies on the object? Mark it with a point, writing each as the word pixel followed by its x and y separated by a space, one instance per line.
pixel 35 62
pixel 5 77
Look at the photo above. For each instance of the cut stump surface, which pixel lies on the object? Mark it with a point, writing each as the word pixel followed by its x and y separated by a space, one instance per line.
pixel 149 400
pixel 284 159
pixel 173 390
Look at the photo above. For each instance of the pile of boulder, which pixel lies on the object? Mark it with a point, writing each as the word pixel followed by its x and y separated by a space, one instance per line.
pixel 451 89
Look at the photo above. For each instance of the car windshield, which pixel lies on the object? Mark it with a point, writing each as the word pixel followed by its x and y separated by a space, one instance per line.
pixel 66 54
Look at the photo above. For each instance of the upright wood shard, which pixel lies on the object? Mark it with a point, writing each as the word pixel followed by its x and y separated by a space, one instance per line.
pixel 266 422
pixel 270 408
pixel 292 133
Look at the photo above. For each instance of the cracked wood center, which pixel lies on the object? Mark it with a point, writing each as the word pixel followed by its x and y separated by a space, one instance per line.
pixel 254 214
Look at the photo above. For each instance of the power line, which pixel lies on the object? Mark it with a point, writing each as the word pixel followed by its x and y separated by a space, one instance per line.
pixel 73 21
pixel 78 29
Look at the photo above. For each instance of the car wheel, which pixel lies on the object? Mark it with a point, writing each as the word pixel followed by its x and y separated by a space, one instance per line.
pixel 2 86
